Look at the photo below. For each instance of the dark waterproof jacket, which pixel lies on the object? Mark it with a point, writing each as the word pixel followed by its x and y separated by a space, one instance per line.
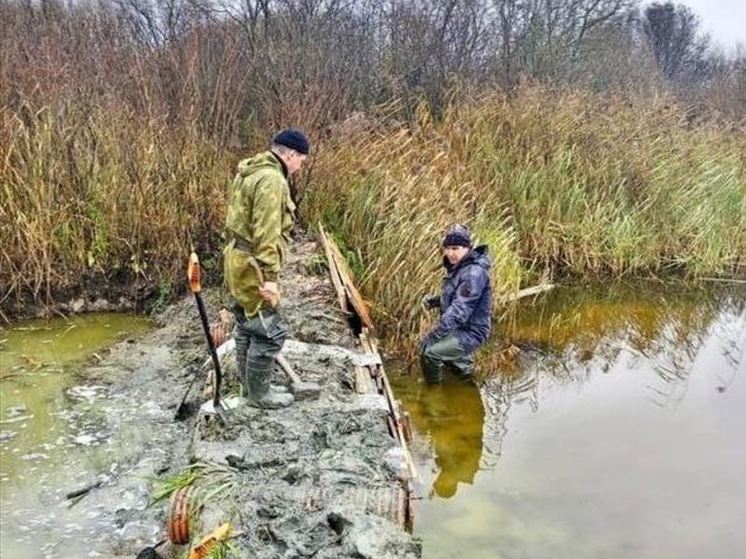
pixel 466 300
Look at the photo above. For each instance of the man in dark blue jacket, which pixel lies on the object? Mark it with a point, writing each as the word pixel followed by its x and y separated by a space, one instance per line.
pixel 465 308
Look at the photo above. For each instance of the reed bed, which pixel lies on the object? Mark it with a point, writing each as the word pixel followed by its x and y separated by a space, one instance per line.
pixel 557 183
pixel 102 200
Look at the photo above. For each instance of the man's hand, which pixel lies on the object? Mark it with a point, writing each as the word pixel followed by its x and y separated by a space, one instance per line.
pixel 424 342
pixel 270 293
pixel 430 302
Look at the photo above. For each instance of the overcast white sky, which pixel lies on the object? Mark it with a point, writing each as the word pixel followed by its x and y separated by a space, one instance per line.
pixel 724 20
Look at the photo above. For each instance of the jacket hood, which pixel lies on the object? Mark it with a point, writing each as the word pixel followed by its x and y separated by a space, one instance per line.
pixel 265 160
pixel 477 255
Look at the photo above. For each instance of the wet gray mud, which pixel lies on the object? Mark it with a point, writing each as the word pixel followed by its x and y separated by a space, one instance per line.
pixel 319 479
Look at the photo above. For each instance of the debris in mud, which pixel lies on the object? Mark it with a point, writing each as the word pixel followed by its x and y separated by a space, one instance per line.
pixel 16 419
pixel 86 393
pixel 88 439
pixel 34 456
pixel 83 490
pixel 7 435
pixel 12 412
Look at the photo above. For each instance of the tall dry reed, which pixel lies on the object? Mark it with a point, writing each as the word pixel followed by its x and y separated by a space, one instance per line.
pixel 556 182
pixel 102 200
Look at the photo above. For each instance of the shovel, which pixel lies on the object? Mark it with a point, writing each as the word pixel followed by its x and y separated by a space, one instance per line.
pixel 194 275
pixel 150 551
pixel 300 389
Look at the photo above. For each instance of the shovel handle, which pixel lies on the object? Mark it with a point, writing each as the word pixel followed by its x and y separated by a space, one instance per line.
pixel 194 274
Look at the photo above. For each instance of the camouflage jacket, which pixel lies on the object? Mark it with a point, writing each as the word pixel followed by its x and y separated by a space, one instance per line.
pixel 257 226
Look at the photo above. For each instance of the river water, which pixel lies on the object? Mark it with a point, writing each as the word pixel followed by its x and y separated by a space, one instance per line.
pixel 52 435
pixel 611 423
pixel 607 423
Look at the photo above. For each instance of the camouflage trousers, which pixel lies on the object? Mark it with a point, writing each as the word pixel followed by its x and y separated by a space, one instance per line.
pixel 446 352
pixel 258 341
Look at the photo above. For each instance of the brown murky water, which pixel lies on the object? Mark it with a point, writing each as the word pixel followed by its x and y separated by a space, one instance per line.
pixel 618 430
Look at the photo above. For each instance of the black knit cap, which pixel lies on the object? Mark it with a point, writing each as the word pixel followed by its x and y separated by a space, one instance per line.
pixel 294 139
pixel 457 236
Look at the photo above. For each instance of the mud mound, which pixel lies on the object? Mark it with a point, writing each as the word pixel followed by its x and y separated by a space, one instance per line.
pixel 321 478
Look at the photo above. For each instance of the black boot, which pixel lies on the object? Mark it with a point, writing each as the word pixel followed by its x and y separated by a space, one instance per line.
pixel 242 347
pixel 260 394
pixel 431 369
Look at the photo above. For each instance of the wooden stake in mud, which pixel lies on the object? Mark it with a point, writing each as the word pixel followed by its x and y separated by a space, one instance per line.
pixel 194 275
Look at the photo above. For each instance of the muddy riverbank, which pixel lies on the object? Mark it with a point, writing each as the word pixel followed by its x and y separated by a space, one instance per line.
pixel 320 479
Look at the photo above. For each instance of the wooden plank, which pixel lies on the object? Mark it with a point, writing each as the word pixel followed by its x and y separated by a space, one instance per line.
pixel 413 475
pixel 364 338
pixel 392 427
pixel 345 274
pixel 360 386
pixel 528 292
pixel 390 397
pixel 333 270
pixel 370 379
pixel 374 345
pixel 407 426
pixel 288 368
pixel 379 384
pixel 399 427
pixel 363 382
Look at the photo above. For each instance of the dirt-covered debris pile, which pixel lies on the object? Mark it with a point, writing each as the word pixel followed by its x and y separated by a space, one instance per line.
pixel 321 478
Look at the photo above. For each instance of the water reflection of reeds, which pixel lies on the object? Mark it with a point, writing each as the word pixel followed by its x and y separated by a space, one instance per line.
pixel 569 337
pixel 576 331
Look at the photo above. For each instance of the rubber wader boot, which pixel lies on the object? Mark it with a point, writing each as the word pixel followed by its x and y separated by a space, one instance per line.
pixel 261 396
pixel 432 369
pixel 242 346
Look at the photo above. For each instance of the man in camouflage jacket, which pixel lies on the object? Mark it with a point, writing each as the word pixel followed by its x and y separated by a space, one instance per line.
pixel 465 308
pixel 257 227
